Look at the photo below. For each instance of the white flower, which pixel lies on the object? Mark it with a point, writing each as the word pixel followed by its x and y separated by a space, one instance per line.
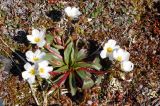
pixel 44 69
pixel 108 49
pixel 37 37
pixel 127 66
pixel 36 56
pixel 30 73
pixel 72 12
pixel 121 55
pixel 89 19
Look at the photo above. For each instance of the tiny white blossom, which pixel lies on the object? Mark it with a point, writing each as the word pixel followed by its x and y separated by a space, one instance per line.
pixel 72 12
pixel 44 69
pixel 108 49
pixel 37 37
pixel 89 19
pixel 30 73
pixel 121 55
pixel 127 66
pixel 35 56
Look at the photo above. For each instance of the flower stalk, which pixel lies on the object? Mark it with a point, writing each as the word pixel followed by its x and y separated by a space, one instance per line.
pixel 34 95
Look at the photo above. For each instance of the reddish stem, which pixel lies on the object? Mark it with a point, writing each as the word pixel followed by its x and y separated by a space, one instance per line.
pixel 62 80
pixel 54 73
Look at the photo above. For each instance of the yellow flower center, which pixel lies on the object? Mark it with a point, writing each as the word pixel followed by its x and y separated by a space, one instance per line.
pixel 109 49
pixel 41 70
pixel 37 39
pixel 32 72
pixel 35 58
pixel 119 58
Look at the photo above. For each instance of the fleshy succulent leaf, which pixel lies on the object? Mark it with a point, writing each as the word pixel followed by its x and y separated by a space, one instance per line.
pixel 87 83
pixel 58 46
pixel 62 69
pixel 82 74
pixel 81 55
pixel 72 56
pixel 67 53
pixel 98 80
pixel 49 38
pixel 96 64
pixel 50 56
pixel 82 64
pixel 55 61
pixel 72 84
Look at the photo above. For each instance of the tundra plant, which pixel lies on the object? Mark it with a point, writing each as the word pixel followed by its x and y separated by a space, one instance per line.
pixel 61 62
pixel 61 66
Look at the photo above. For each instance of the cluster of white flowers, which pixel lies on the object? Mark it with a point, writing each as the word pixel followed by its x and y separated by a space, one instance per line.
pixel 40 67
pixel 114 52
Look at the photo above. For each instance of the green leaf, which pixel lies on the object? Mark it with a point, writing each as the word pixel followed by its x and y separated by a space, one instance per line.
pixel 72 56
pixel 98 80
pixel 67 53
pixel 68 41
pixel 50 56
pixel 62 69
pixel 96 64
pixel 82 64
pixel 82 74
pixel 57 46
pixel 72 84
pixel 87 83
pixel 81 55
pixel 49 38
pixel 54 60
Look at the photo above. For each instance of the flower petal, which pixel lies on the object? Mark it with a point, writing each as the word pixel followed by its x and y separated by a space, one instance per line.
pixel 42 55
pixel 126 56
pixel 43 63
pixel 48 69
pixel 25 75
pixel 103 54
pixel 31 80
pixel 41 44
pixel 67 10
pixel 45 75
pixel 30 38
pixel 112 42
pixel 29 55
pixel 110 57
pixel 37 52
pixel 35 32
pixel 27 66
pixel 42 33
pixel 127 66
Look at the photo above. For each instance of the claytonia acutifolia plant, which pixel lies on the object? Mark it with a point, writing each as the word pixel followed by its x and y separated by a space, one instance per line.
pixel 30 73
pixel 121 55
pixel 127 66
pixel 44 69
pixel 71 67
pixel 108 49
pixel 72 12
pixel 36 56
pixel 37 37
